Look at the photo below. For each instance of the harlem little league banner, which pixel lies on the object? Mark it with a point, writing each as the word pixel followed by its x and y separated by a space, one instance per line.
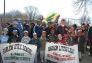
pixel 18 53
pixel 61 53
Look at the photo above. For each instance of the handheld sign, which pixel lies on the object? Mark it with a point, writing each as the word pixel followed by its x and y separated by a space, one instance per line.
pixel 60 53
pixel 18 53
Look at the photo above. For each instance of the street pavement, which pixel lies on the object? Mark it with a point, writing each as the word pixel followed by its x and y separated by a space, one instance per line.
pixel 86 59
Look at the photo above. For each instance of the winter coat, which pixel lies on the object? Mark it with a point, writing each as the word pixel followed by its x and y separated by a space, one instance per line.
pixel 25 39
pixel 36 42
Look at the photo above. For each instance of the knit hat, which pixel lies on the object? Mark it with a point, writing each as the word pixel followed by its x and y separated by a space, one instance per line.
pixel 25 31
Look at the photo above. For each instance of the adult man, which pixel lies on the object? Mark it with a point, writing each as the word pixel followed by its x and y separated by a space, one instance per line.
pixel 90 39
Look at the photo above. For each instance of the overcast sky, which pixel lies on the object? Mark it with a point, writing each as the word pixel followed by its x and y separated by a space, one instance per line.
pixel 63 7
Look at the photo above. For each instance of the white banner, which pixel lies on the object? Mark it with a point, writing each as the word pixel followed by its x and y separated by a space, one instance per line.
pixel 18 53
pixel 61 53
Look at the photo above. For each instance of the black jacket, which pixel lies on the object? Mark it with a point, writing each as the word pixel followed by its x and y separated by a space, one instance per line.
pixel 61 30
pixel 90 33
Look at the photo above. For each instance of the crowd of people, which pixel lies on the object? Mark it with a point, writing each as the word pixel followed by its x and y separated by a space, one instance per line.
pixel 40 34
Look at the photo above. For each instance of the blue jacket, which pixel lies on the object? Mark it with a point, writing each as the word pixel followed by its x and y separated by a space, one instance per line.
pixel 20 28
pixel 38 30
pixel 36 42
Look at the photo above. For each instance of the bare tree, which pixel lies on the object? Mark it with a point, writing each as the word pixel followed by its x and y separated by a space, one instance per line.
pixel 32 12
pixel 81 6
pixel 15 14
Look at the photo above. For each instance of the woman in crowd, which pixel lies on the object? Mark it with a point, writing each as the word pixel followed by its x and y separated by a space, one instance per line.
pixel 73 35
pixel 15 37
pixel 11 28
pixel 81 40
pixel 26 38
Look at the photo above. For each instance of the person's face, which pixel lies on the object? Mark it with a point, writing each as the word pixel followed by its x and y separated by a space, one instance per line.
pixel 26 34
pixel 52 25
pixel 49 25
pixel 83 27
pixel 32 25
pixel 14 33
pixel 52 31
pixel 87 26
pixel 35 36
pixel 72 28
pixel 63 23
pixel 59 36
pixel 43 34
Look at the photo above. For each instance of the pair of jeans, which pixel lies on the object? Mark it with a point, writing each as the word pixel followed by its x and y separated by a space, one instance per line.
pixel 42 55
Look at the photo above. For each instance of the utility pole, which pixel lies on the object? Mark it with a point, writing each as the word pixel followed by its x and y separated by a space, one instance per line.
pixel 4 10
